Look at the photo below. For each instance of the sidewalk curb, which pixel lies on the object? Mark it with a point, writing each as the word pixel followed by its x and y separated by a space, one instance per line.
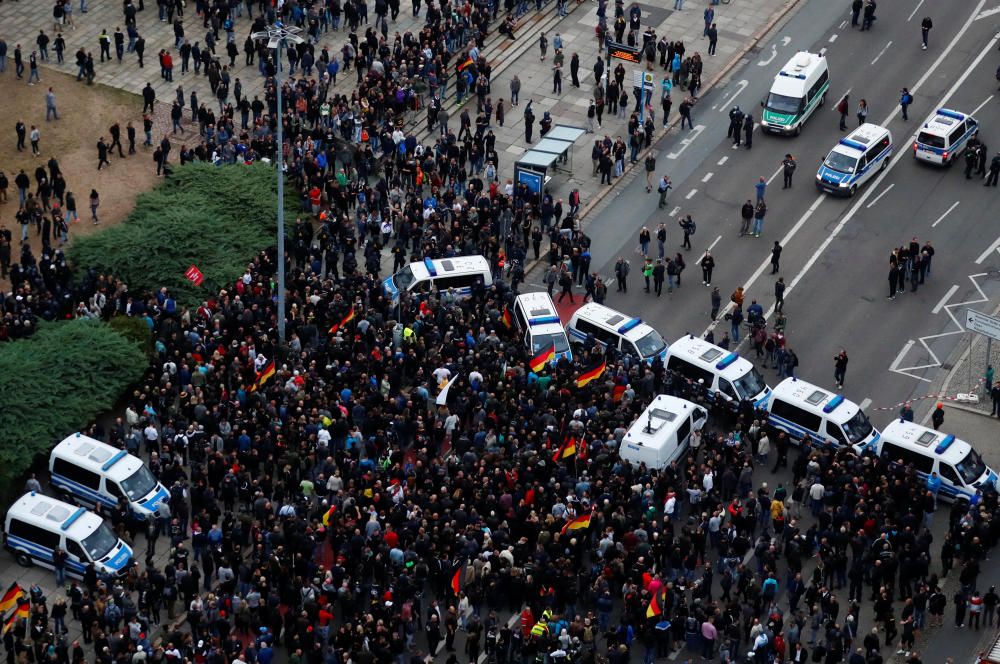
pixel 727 68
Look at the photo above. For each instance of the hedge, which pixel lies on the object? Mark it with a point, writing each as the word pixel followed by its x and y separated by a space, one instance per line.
pixel 214 217
pixel 54 383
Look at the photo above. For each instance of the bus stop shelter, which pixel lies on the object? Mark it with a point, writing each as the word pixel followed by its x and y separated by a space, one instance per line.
pixel 554 152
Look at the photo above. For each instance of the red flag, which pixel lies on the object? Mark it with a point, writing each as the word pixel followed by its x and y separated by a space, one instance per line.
pixel 508 320
pixel 456 580
pixel 567 449
pixel 194 275
pixel 617 393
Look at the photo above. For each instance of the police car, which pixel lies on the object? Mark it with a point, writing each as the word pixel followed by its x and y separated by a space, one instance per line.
pixel 944 137
pixel 855 160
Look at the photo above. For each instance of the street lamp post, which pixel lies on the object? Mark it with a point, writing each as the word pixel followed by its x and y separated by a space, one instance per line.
pixel 277 35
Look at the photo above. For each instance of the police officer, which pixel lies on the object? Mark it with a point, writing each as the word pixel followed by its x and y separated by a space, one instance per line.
pixel 971 160
pixel 991 178
pixel 735 123
pixel 748 130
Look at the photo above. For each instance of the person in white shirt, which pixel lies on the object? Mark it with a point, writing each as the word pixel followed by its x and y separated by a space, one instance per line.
pixel 816 493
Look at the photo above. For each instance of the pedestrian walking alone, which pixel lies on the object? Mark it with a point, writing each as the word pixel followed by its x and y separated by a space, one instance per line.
pixel 862 112
pixel 95 202
pixel 925 29
pixel 843 108
pixel 788 165
pixel 937 417
pixel 840 368
pixel 716 302
pixel 707 264
pixel 663 188
pixel 905 99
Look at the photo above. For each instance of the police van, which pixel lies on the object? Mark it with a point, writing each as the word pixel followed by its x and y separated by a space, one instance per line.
pixel 855 160
pixel 460 273
pixel 961 469
pixel 797 91
pixel 614 329
pixel 801 409
pixel 95 473
pixel 720 373
pixel 662 432
pixel 944 137
pixel 538 322
pixel 37 524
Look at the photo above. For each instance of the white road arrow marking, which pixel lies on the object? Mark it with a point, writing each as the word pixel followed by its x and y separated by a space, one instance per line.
pixel 785 41
pixel 774 54
pixel 687 141
pixel 740 87
pixel 988 12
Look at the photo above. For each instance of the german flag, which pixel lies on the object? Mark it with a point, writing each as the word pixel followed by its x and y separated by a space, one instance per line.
pixel 654 609
pixel 591 374
pixel 579 523
pixel 508 320
pixel 456 580
pixel 539 361
pixel 567 449
pixel 23 608
pixel 617 393
pixel 9 623
pixel 9 599
pixel 468 63
pixel 263 376
pixel 344 321
pixel 328 517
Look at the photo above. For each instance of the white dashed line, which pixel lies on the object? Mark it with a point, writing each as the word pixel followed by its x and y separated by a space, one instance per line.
pixel 673 213
pixel 712 246
pixel 864 404
pixel 944 300
pixel 980 107
pixel 946 213
pixel 708 176
pixel 879 197
pixel 833 38
pixel 914 12
pixel 722 161
pixel 882 52
pixel 775 174
pixel 691 194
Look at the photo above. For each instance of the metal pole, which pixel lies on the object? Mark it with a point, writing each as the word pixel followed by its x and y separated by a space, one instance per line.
pixel 989 353
pixel 642 97
pixel 281 202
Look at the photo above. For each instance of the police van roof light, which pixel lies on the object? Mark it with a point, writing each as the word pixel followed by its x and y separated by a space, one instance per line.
pixel 945 444
pixel 727 360
pixel 113 460
pixel 833 403
pixel 431 270
pixel 950 114
pixel 72 518
pixel 544 320
pixel 629 325
pixel 852 144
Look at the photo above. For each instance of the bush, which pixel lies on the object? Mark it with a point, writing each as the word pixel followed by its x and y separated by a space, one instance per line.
pixel 217 218
pixel 54 383
pixel 135 330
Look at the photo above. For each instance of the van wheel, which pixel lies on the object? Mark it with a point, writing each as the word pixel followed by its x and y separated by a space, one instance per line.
pixel 885 162
pixel 822 100
pixel 23 559
pixel 797 131
pixel 853 189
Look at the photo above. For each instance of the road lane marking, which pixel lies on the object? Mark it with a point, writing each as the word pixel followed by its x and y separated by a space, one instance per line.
pixel 946 213
pixel 766 263
pixel 944 300
pixel 708 176
pixel 980 107
pixel 879 197
pixel 722 161
pixel 694 133
pixel 712 246
pixel 913 13
pixel 741 86
pixel 988 12
pixel 775 174
pixel 864 404
pixel 822 51
pixel 673 213
pixel 882 52
pixel 770 58
pixel 833 38
pixel 843 24
pixel 993 247
pixel 846 92
pixel 691 194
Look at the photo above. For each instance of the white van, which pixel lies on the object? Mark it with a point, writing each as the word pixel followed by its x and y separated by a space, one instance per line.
pixel 799 409
pixel 460 273
pixel 662 432
pixel 538 322
pixel 798 90
pixel 726 374
pixel 613 328
pixel 855 160
pixel 37 524
pixel 944 136
pixel 959 466
pixel 93 472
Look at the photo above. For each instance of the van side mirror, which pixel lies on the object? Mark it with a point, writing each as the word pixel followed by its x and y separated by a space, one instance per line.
pixel 762 103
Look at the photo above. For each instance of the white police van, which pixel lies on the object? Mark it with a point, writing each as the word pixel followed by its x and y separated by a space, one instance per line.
pixel 797 91
pixel 961 469
pixel 799 409
pixel 37 524
pixel 662 432
pixel 538 322
pixel 944 137
pixel 855 160
pixel 95 473
pixel 460 273
pixel 721 373
pixel 614 329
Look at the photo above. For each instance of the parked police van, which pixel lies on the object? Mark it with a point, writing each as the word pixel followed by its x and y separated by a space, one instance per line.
pixel 797 91
pixel 37 524
pixel 617 330
pixel 538 322
pixel 855 160
pixel 662 432
pixel 727 375
pixel 440 274
pixel 799 409
pixel 95 473
pixel 944 137
pixel 961 469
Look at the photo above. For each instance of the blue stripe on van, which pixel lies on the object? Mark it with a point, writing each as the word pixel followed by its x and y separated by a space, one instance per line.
pixel 81 490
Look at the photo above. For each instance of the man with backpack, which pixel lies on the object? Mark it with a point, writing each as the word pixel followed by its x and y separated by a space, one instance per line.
pixel 905 99
pixel 689 227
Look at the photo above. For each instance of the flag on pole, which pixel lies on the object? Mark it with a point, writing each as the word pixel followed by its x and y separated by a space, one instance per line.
pixel 617 393
pixel 194 275
pixel 328 517
pixel 23 607
pixel 539 361
pixel 9 599
pixel 344 321
pixel 579 523
pixel 266 374
pixel 591 374
pixel 468 63
pixel 654 609
pixel 567 449
pixel 508 320
pixel 9 623
pixel 456 580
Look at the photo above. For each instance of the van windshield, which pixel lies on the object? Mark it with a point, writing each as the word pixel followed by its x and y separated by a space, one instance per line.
pixel 782 104
pixel 100 542
pixel 930 140
pixel 540 342
pixel 750 384
pixel 650 345
pixel 139 485
pixel 971 468
pixel 858 427
pixel 841 162
pixel 403 278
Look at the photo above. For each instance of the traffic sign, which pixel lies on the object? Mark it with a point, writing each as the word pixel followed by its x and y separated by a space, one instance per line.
pixel 981 323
